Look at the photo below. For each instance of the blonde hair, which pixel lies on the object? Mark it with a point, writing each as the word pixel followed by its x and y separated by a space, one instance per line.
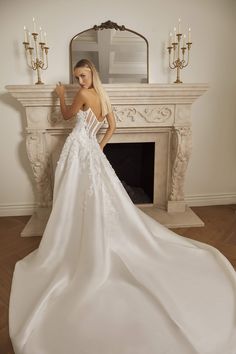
pixel 104 99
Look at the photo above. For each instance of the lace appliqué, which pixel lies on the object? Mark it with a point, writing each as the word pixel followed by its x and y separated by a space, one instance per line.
pixel 73 149
pixel 81 148
pixel 111 214
pixel 94 167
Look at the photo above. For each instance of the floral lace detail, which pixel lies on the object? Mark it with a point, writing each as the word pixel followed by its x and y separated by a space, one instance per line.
pixel 73 149
pixel 81 147
pixel 111 214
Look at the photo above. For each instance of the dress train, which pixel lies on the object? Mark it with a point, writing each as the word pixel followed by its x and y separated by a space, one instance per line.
pixel 109 279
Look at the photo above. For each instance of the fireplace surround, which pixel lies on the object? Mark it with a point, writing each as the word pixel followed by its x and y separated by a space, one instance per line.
pixel 157 113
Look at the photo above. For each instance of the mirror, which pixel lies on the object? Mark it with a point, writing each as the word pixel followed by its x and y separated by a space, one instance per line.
pixel 119 54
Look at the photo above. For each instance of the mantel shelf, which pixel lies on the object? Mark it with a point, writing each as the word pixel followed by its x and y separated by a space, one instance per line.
pixel 32 95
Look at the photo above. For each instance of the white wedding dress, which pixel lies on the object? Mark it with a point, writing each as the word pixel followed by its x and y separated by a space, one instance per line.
pixel 108 279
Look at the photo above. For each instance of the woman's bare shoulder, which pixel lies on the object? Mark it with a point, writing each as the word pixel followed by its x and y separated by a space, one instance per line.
pixel 82 92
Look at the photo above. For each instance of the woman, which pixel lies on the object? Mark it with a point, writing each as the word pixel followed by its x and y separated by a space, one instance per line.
pixel 90 96
pixel 107 278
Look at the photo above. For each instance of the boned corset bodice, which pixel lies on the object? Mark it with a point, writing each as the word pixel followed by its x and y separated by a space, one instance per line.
pixel 90 122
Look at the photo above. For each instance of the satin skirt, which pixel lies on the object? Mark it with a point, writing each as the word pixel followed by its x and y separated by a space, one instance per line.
pixel 109 279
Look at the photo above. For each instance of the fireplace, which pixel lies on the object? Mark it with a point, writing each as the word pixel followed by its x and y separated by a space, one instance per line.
pixel 134 165
pixel 148 116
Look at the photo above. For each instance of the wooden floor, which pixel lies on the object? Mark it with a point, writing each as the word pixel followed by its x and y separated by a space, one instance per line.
pixel 219 231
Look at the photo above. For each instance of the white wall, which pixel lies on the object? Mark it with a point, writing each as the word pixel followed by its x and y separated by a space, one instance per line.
pixel 211 176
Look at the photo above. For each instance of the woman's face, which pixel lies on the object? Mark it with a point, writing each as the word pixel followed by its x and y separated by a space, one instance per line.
pixel 84 77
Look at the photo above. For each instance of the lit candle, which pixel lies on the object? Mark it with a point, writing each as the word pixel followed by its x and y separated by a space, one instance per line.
pixel 170 39
pixel 41 34
pixel 179 26
pixel 34 24
pixel 189 35
pixel 175 35
pixel 25 35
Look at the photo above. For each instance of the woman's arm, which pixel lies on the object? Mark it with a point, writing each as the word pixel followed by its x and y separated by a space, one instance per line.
pixel 110 130
pixel 79 100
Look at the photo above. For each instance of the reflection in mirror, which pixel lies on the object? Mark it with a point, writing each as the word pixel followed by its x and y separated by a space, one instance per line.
pixel 120 55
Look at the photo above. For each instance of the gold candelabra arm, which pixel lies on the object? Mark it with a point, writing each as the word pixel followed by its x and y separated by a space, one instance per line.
pixel 183 62
pixel 42 44
pixel 171 65
pixel 188 55
pixel 26 45
pixel 179 35
pixel 46 52
pixel 189 45
pixel 174 50
pixel 32 61
pixel 35 35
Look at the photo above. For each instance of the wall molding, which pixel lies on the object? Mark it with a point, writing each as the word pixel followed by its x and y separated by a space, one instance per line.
pixel 19 209
pixel 210 199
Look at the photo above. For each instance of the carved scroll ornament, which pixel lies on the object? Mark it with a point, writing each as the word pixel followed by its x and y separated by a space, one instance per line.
pixel 156 114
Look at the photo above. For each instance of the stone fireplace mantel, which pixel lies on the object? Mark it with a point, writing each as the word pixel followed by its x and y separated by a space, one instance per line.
pixel 159 113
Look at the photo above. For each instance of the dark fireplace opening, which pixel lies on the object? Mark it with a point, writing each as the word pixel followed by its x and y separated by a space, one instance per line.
pixel 134 165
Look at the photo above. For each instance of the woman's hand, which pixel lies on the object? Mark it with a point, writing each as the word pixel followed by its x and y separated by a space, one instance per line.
pixel 60 90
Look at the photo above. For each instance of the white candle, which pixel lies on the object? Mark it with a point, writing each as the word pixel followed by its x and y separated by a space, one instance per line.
pixel 29 40
pixel 25 35
pixel 41 34
pixel 179 26
pixel 184 40
pixel 170 39
pixel 189 35
pixel 34 24
pixel 174 35
pixel 45 36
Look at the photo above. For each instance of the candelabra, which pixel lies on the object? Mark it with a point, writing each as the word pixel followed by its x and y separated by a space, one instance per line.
pixel 177 49
pixel 36 53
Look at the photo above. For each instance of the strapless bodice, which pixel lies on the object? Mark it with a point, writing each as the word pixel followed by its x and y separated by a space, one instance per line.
pixel 90 122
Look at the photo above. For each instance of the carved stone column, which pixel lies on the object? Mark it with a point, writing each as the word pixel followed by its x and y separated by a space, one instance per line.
pixel 182 147
pixel 38 155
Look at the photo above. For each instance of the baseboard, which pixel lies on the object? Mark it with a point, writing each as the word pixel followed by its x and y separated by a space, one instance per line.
pixel 191 200
pixel 17 209
pixel 210 199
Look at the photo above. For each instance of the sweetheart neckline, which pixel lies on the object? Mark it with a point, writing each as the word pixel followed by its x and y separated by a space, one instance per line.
pixel 99 121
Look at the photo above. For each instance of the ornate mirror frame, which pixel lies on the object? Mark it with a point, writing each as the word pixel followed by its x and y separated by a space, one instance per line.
pixel 106 25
